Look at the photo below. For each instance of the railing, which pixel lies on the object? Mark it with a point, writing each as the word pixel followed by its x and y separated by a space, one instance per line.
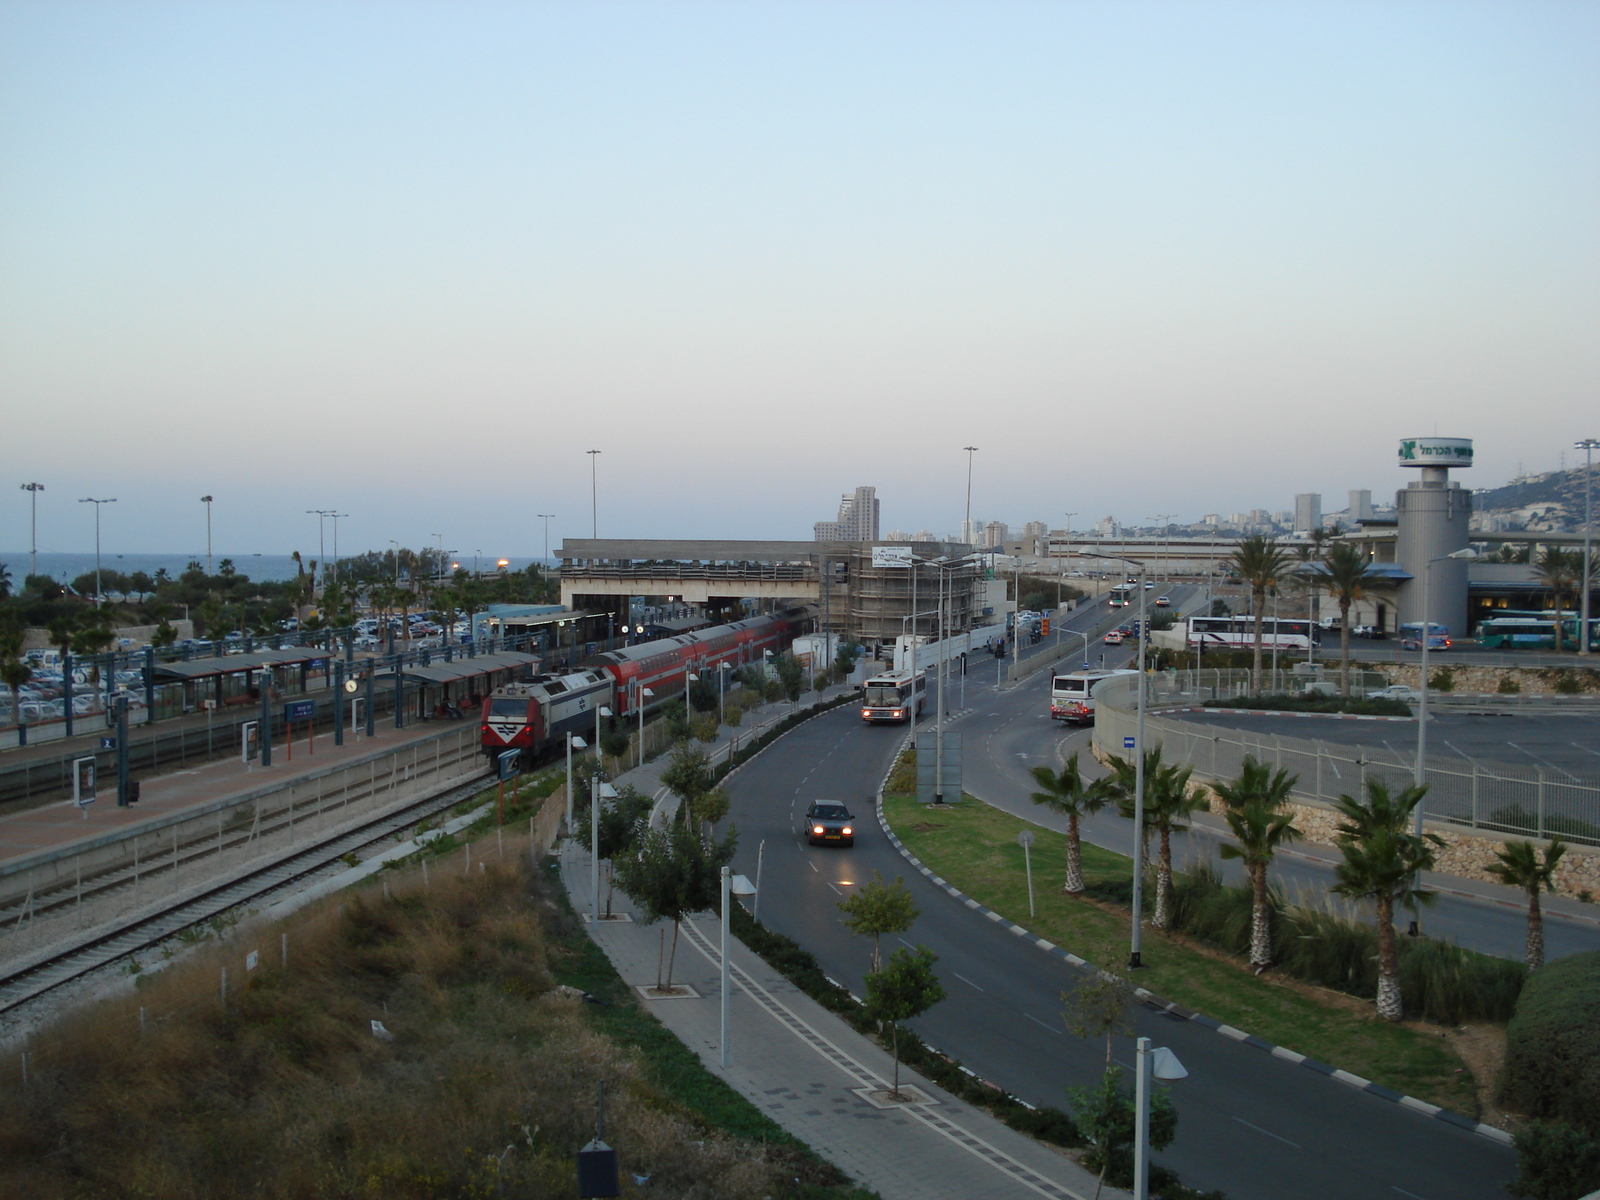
pixel 1526 801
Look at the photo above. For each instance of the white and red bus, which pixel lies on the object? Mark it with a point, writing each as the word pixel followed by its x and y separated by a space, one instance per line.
pixel 1239 633
pixel 1072 694
pixel 893 695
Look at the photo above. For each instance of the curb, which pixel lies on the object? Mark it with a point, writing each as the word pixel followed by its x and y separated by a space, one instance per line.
pixel 1174 1009
pixel 1273 712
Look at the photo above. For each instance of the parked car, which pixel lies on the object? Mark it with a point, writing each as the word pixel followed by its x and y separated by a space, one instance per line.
pixel 828 822
pixel 1396 691
pixel 1375 632
pixel 1113 638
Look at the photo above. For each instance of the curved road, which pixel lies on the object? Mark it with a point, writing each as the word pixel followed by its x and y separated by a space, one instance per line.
pixel 1257 1127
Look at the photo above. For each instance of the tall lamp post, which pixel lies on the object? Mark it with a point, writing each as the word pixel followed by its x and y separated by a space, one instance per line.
pixel 1136 947
pixel 966 526
pixel 545 517
pixel 732 885
pixel 1420 769
pixel 1588 446
pixel 594 494
pixel 99 586
pixel 1163 1064
pixel 594 814
pixel 33 555
pixel 322 515
pixel 336 516
pixel 206 500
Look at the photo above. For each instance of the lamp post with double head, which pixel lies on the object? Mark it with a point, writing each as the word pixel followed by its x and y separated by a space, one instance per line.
pixel 1586 584
pixel 33 554
pixel 99 585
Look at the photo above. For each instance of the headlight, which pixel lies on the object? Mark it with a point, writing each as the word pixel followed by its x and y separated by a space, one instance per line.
pixel 816 829
pixel 847 831
pixel 866 712
pixel 899 712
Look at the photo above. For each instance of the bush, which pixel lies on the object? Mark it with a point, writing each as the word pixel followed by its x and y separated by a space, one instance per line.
pixel 1518 820
pixel 1319 704
pixel 1568 683
pixel 1552 1069
pixel 1508 686
pixel 1555 1162
pixel 1443 680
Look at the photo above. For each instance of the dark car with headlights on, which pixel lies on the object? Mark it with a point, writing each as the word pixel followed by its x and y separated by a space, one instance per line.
pixel 829 824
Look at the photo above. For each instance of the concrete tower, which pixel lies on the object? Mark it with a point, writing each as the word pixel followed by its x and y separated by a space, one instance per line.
pixel 1434 514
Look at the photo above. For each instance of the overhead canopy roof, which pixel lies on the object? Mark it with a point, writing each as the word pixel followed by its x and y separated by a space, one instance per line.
pixel 465 668
pixel 230 664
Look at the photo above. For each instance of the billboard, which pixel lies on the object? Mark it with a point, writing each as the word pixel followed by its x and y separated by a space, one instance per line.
pixel 892 556
pixel 1435 452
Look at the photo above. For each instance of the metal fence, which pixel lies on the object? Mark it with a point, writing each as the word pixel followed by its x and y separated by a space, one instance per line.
pixel 1479 793
pixel 54 895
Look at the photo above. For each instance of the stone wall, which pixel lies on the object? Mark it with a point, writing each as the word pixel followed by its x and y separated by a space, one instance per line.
pixel 1530 681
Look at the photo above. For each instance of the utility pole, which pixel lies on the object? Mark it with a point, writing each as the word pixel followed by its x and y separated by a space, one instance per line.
pixel 336 516
pixel 33 555
pixel 594 494
pixel 99 584
pixel 545 517
pixel 966 526
pixel 206 500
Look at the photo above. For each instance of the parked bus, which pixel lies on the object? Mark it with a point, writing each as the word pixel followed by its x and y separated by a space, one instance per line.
pixel 1503 633
pixel 1411 636
pixel 894 695
pixel 1072 695
pixel 1122 595
pixel 1239 633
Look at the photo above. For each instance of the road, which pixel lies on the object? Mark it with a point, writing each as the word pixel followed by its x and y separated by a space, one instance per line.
pixel 1258 1127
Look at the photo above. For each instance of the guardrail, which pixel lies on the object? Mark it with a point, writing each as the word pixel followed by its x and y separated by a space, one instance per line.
pixel 1499 797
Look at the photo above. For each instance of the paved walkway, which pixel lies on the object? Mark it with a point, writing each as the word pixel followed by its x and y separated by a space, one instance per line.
pixel 818 1079
pixel 61 823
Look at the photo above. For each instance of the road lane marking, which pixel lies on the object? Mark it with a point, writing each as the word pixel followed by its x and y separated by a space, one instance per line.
pixel 836 891
pixel 1403 1192
pixel 1269 1133
pixel 1036 1021
pixel 812 865
pixel 965 980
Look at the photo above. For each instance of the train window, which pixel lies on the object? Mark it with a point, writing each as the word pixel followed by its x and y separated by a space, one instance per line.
pixel 508 708
pixel 555 687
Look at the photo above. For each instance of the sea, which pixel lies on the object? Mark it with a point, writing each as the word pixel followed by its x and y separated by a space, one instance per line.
pixel 268 568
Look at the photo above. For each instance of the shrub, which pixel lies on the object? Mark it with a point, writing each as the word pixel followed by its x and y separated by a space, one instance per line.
pixel 1518 820
pixel 1568 683
pixel 1319 704
pixel 1552 1069
pixel 1443 680
pixel 1508 685
pixel 1555 1162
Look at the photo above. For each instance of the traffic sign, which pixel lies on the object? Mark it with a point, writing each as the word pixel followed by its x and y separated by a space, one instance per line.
pixel 510 763
pixel 1127 743
pixel 300 710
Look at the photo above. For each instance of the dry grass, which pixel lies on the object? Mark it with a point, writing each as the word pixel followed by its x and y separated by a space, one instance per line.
pixel 487 1089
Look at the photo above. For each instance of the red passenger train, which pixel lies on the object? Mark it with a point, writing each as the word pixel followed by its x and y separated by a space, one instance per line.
pixel 536 715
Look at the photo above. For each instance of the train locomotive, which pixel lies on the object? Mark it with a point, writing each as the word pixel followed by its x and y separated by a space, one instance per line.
pixel 536 715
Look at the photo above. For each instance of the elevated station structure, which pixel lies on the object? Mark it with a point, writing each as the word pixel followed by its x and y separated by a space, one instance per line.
pixel 857 593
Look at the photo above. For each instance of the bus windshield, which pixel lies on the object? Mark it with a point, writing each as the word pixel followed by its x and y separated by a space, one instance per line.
pixel 883 695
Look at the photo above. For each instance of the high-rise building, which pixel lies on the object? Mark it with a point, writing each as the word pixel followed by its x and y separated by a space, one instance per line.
pixel 972 532
pixel 1307 512
pixel 858 519
pixel 1360 505
pixel 995 533
pixel 1035 529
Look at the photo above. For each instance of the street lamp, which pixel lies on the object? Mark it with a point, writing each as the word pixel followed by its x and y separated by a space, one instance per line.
pixel 594 494
pixel 335 516
pixel 1419 771
pixel 644 693
pixel 600 791
pixel 206 500
pixel 966 526
pixel 723 668
pixel 1136 948
pixel 33 555
pixel 688 678
pixel 732 885
pixel 1588 446
pixel 99 586
pixel 574 742
pixel 1163 1064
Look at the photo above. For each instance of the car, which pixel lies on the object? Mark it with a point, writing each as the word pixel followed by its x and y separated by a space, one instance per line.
pixel 1396 691
pixel 829 823
pixel 1163 601
pixel 1113 638
pixel 1367 631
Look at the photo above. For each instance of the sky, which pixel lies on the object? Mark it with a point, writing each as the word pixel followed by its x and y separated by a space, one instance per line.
pixel 410 261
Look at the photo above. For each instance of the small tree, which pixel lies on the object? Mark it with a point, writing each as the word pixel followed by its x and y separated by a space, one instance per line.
pixel 791 677
pixel 1555 1162
pixel 689 775
pixel 1069 793
pixel 614 738
pixel 14 669
pixel 1106 1116
pixel 1098 1007
pixel 905 988
pixel 877 909
pixel 1382 862
pixel 670 873
pixel 1255 816
pixel 1519 866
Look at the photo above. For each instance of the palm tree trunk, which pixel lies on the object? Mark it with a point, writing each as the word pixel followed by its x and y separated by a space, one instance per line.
pixel 1259 596
pixel 1074 858
pixel 1390 1007
pixel 1163 878
pixel 1535 956
pixel 1344 646
pixel 1260 925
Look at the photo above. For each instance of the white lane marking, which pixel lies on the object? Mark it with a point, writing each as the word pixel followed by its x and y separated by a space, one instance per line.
pixel 1543 761
pixel 1403 1192
pixel 836 891
pixel 864 1076
pixel 1036 1021
pixel 813 866
pixel 966 981
pixel 1269 1133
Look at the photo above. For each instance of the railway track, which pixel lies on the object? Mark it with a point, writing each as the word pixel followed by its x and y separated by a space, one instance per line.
pixel 22 984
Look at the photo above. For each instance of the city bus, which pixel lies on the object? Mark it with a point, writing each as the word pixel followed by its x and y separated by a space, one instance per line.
pixel 1239 633
pixel 1072 695
pixel 1122 595
pixel 893 695
pixel 1411 636
pixel 1502 633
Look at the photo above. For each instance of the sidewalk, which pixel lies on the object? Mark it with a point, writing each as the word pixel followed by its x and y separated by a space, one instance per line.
pixel 816 1077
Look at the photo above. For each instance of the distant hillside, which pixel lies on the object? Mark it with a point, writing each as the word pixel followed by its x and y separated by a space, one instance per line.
pixel 1556 487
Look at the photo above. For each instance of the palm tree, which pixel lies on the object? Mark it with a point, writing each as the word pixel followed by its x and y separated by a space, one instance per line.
pixel 1069 793
pixel 1167 803
pixel 1559 570
pixel 1254 812
pixel 1382 863
pixel 1347 574
pixel 1261 563
pixel 1520 867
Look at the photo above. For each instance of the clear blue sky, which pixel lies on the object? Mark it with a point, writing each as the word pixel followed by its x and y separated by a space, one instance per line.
pixel 410 261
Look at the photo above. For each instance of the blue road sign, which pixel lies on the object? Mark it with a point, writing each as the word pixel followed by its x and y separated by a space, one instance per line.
pixel 510 763
pixel 1127 743
pixel 300 710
